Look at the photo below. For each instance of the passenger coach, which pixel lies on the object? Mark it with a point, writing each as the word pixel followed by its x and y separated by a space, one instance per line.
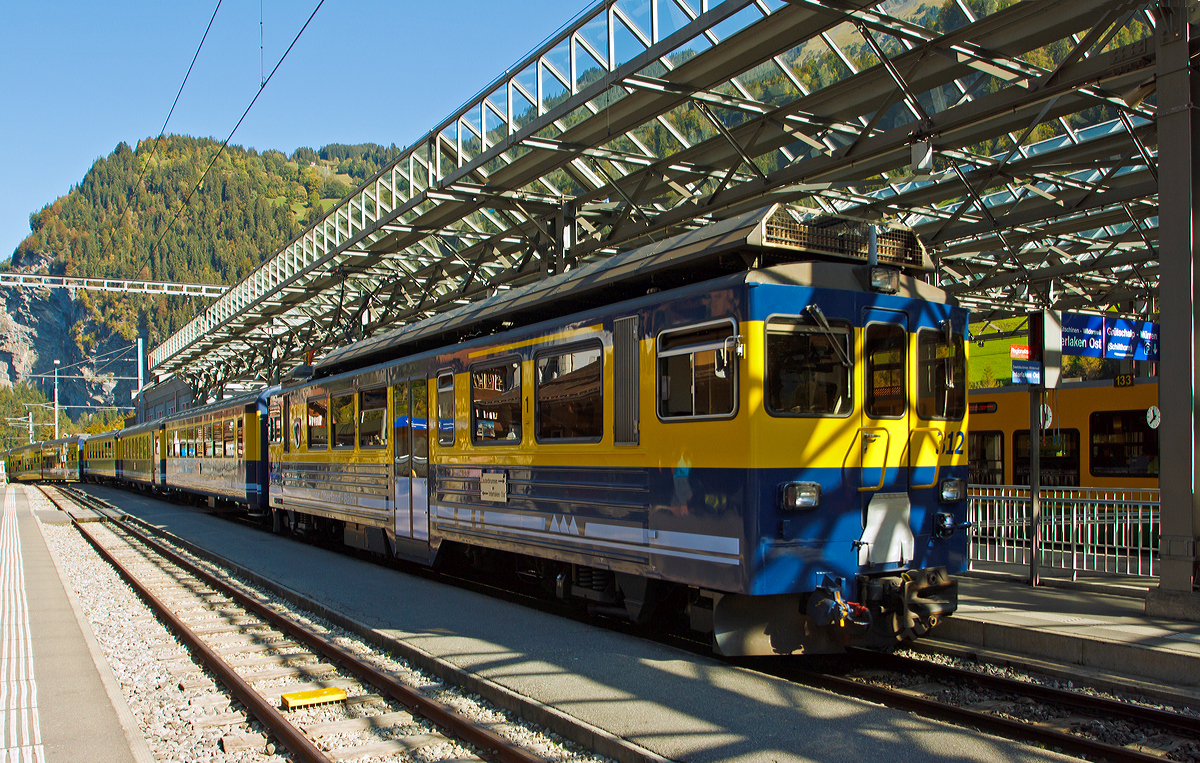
pixel 752 425
pixel 1100 436
pixel 217 451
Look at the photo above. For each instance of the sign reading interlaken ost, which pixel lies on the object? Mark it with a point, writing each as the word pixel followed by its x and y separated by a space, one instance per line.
pixel 1095 336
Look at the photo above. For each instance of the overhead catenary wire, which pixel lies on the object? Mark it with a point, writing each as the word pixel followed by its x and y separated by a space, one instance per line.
pixel 154 150
pixel 228 138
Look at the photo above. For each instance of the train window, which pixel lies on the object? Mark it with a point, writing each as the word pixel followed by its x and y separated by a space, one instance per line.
pixel 207 436
pixel 401 425
pixel 241 441
pixel 884 351
pixel 372 418
pixel 985 458
pixel 275 424
pixel 230 443
pixel 318 423
pixel 941 375
pixel 697 372
pixel 807 373
pixel 496 403
pixel 445 392
pixel 420 428
pixel 570 395
pixel 343 421
pixel 1058 463
pixel 1122 445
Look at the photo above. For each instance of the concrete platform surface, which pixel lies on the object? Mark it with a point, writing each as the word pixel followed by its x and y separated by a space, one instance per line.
pixel 672 703
pixel 1089 628
pixel 55 703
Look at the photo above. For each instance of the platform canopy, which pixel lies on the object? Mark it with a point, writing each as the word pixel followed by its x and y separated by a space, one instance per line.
pixel 1020 145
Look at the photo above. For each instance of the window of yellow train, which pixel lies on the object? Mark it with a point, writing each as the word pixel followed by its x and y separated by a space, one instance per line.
pixel 230 439
pixel 570 395
pixel 1122 444
pixel 807 371
pixel 318 423
pixel 697 372
pixel 372 418
pixel 420 428
pixel 402 430
pixel 445 393
pixel 343 421
pixel 241 439
pixel 941 376
pixel 985 458
pixel 885 351
pixel 275 424
pixel 1058 462
pixel 496 403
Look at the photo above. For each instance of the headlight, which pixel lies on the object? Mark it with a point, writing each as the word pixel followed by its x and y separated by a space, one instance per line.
pixel 953 490
pixel 801 495
pixel 943 525
pixel 886 280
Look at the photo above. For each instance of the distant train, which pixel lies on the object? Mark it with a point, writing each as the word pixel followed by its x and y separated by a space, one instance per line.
pixel 50 461
pixel 1099 436
pixel 750 426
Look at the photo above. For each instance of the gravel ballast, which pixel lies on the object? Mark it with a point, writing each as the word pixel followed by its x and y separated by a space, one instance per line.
pixel 174 703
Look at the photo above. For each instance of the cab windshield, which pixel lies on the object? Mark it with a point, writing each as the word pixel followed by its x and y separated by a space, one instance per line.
pixel 806 374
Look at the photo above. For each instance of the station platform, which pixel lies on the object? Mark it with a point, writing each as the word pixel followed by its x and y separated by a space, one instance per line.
pixel 1099 629
pixel 639 700
pixel 59 701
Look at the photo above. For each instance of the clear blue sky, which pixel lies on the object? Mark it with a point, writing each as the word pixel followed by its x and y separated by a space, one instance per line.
pixel 77 78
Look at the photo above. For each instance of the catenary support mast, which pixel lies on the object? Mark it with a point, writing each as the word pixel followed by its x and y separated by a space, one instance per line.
pixel 1179 197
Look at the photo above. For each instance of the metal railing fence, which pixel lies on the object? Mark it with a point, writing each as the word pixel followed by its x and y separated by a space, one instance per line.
pixel 1083 530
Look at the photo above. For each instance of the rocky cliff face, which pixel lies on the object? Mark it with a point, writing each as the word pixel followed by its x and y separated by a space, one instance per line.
pixel 35 329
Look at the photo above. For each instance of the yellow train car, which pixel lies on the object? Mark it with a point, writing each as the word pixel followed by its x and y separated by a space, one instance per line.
pixel 333 474
pixel 26 464
pixel 1099 436
pixel 139 450
pixel 755 446
pixel 61 458
pixel 101 457
pixel 218 451
pixel 46 461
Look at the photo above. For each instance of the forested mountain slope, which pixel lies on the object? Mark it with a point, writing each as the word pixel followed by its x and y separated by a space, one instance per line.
pixel 131 217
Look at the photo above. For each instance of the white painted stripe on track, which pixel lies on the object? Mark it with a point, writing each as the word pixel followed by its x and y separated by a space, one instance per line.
pixel 20 731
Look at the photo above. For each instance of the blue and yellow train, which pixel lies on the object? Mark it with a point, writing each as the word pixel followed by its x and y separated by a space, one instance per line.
pixel 759 426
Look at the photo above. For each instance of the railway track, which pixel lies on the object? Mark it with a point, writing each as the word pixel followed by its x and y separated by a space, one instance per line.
pixel 1092 727
pixel 260 656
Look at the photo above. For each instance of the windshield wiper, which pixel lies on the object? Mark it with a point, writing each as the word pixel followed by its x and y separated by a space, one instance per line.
pixel 823 323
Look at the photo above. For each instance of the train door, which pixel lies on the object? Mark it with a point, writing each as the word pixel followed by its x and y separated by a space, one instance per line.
pixel 410 438
pixel 883 440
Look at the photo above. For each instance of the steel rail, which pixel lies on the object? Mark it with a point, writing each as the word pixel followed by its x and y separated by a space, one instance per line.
pixel 490 744
pixel 1175 721
pixel 1023 731
pixel 289 735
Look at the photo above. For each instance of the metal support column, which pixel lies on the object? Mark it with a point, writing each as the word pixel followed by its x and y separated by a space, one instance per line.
pixel 1178 197
pixel 1035 483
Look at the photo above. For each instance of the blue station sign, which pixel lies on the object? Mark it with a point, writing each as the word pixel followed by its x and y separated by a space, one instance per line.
pixel 1026 372
pixel 1094 336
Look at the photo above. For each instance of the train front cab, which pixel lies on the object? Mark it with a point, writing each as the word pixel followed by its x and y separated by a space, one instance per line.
pixel 854 407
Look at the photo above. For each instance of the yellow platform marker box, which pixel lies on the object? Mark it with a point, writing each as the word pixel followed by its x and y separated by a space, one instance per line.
pixel 314 697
